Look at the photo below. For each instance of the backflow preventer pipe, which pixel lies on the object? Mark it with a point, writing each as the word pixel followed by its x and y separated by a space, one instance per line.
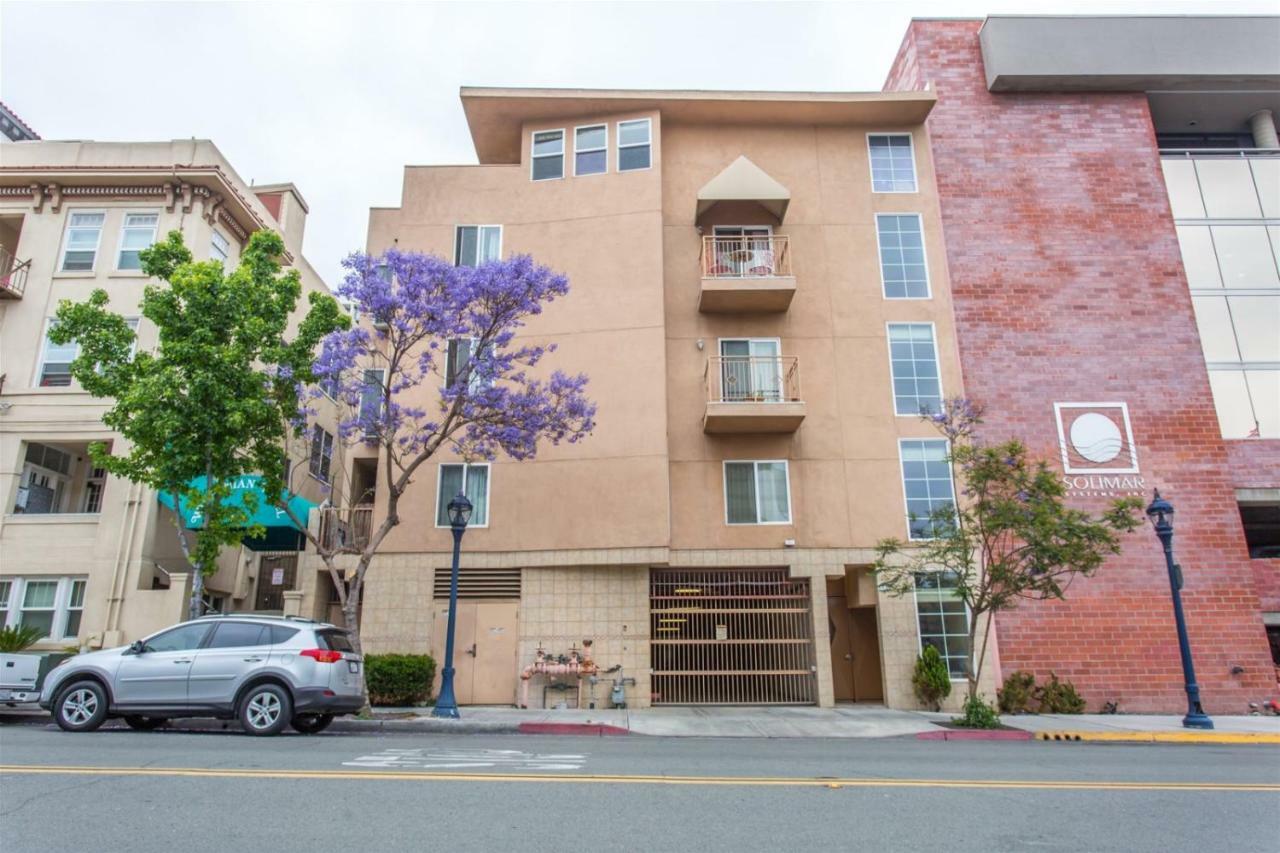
pixel 575 664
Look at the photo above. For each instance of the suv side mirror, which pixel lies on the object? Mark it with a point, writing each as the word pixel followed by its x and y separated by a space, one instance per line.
pixel 136 647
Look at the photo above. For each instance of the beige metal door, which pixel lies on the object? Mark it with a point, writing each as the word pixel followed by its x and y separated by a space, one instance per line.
pixel 841 628
pixel 484 650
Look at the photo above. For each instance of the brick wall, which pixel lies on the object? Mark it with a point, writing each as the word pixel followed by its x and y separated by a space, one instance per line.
pixel 1068 286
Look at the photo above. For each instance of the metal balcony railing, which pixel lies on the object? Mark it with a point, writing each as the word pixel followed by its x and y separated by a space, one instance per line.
pixel 747 379
pixel 346 528
pixel 13 275
pixel 753 256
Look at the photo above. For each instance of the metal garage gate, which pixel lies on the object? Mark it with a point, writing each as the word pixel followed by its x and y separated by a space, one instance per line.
pixel 731 637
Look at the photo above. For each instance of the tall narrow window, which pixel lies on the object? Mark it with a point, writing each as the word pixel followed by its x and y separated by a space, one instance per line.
pixel 943 619
pixel 548 155
pixel 39 604
pixel 371 395
pixel 902 266
pixel 893 165
pixel 926 480
pixel 75 607
pixel 138 232
pixel 475 244
pixel 93 489
pixel 591 150
pixel 914 363
pixel 757 493
pixel 6 589
pixel 219 247
pixel 55 362
pixel 635 145
pixel 472 480
pixel 321 453
pixel 84 233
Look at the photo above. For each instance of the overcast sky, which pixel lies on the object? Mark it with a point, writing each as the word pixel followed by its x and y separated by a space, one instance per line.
pixel 338 97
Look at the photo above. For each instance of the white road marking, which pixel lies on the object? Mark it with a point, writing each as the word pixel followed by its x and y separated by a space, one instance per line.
pixel 452 759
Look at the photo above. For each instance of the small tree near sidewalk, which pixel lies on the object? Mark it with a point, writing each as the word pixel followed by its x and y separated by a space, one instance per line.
pixel 1011 536
pixel 440 371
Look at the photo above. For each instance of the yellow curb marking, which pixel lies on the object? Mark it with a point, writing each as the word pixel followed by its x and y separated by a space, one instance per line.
pixel 777 781
pixel 1164 737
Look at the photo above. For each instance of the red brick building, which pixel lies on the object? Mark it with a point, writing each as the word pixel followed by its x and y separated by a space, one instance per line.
pixel 1068 154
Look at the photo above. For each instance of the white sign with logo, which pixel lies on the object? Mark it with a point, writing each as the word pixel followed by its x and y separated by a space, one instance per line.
pixel 1099 458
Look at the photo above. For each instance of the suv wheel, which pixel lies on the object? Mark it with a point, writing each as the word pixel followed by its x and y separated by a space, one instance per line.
pixel 144 724
pixel 310 724
pixel 265 709
pixel 82 707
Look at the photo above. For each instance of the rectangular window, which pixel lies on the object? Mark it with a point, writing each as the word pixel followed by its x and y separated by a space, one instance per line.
pixel 75 607
pixel 93 489
pixel 926 480
pixel 943 619
pixel 751 370
pixel 472 480
pixel 219 247
pixel 55 359
pixel 893 165
pixel 914 365
pixel 138 232
pixel 457 362
pixel 39 605
pixel 321 453
pixel 331 385
pixel 84 233
pixel 371 395
pixel 475 244
pixel 50 604
pixel 757 493
pixel 6 589
pixel 591 150
pixel 635 145
pixel 902 266
pixel 548 155
pixel 1261 529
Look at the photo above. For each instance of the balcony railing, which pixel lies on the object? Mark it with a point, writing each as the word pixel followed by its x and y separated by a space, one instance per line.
pixel 752 256
pixel 13 275
pixel 747 379
pixel 346 528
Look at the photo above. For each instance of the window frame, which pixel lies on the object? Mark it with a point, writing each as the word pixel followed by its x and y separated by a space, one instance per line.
pixel 968 616
pixel 755 463
pixel 364 384
pixel 902 478
pixel 66 242
pixel 534 158
pixel 488 495
pixel 457 245
pixel 61 603
pixel 327 478
pixel 915 165
pixel 214 236
pixel 928 276
pixel 649 144
pixel 124 229
pixel 605 148
pixel 937 362
pixel 133 323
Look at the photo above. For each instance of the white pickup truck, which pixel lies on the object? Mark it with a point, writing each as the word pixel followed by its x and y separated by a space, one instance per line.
pixel 22 675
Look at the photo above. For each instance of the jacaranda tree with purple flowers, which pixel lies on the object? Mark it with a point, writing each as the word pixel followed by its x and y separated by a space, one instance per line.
pixel 1010 537
pixel 401 393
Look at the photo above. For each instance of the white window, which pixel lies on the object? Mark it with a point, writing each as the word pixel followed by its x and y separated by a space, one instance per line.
pixel 591 149
pixel 330 385
pixel 635 145
pixel 472 480
pixel 902 268
pixel 743 250
pixel 321 453
pixel 926 483
pixel 913 360
pixel 371 398
pixel 137 233
pixel 84 233
pixel 751 370
pixel 475 244
pixel 54 369
pixel 94 486
pixel 458 360
pixel 893 164
pixel 757 492
pixel 943 619
pixel 219 247
pixel 50 604
pixel 548 155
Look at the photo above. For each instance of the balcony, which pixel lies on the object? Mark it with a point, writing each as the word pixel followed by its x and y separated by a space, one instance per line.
pixel 13 275
pixel 749 274
pixel 752 395
pixel 346 529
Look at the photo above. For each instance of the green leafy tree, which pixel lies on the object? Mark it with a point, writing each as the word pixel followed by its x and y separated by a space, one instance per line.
pixel 1012 536
pixel 206 402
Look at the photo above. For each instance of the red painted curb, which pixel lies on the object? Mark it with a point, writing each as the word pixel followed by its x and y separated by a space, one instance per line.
pixel 571 729
pixel 954 734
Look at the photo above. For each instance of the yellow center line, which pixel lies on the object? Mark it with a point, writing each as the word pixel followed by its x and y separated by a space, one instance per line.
pixel 750 781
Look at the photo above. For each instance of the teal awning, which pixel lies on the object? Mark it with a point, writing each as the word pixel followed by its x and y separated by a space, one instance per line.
pixel 281 532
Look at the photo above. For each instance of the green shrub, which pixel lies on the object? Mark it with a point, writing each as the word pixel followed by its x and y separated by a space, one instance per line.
pixel 19 637
pixel 399 679
pixel 1018 692
pixel 931 680
pixel 1059 697
pixel 978 714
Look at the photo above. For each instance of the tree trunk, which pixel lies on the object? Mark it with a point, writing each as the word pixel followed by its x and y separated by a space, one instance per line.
pixel 351 615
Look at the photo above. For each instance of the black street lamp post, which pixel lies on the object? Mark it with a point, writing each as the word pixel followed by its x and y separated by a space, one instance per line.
pixel 1161 514
pixel 459 515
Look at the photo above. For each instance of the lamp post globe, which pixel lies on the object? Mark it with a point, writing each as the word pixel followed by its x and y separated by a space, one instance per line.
pixel 1160 513
pixel 459 510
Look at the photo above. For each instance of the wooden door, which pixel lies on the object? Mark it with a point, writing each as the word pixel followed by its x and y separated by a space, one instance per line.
pixel 276 573
pixel 842 667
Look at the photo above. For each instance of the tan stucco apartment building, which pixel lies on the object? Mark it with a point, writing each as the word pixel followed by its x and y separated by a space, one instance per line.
pixel 759 294
pixel 93 559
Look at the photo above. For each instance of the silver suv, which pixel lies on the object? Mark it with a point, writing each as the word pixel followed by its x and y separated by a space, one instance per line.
pixel 267 671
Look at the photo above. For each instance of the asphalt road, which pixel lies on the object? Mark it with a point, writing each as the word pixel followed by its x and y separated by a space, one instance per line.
pixel 118 790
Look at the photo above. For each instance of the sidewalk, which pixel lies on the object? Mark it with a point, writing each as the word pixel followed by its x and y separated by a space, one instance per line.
pixel 1145 728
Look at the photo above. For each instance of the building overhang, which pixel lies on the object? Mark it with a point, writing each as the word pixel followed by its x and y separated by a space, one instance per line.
pixel 496 116
pixel 743 180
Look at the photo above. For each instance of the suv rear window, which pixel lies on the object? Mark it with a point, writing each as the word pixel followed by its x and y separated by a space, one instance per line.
pixel 337 641
pixel 229 635
pixel 280 634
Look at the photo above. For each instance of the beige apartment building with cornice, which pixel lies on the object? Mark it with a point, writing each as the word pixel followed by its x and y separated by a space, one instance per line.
pixel 759 294
pixel 92 559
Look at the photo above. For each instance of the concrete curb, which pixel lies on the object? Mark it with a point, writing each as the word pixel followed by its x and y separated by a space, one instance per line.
pixel 974 734
pixel 1161 737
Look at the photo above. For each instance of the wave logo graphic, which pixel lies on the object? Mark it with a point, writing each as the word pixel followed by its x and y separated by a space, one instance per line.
pixel 1096 438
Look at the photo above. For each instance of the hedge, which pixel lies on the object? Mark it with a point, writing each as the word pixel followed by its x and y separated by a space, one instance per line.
pixel 399 679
